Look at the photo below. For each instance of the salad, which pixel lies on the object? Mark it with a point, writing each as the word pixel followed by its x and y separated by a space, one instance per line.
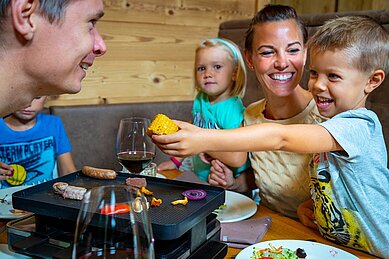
pixel 277 253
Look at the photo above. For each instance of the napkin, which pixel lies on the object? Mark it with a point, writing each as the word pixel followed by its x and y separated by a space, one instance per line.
pixel 244 233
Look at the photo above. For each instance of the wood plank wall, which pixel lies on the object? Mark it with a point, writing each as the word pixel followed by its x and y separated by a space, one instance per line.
pixel 151 45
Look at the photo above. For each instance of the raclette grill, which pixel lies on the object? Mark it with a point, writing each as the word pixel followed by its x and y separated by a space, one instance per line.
pixel 190 231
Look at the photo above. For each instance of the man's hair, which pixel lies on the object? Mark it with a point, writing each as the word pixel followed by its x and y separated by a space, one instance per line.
pixel 235 56
pixel 53 10
pixel 273 13
pixel 361 37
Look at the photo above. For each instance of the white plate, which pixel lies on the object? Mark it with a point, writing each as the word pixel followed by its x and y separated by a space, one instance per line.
pixel 239 207
pixel 5 253
pixel 160 176
pixel 5 207
pixel 314 250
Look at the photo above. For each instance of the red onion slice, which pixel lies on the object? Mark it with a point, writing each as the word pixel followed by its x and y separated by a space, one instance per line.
pixel 195 195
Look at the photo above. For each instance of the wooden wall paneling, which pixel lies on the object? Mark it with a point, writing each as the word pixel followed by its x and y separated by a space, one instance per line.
pixel 151 46
pixel 353 5
pixel 380 4
pixel 135 41
pixel 139 81
pixel 259 4
pixel 309 6
pixel 185 12
pixel 346 5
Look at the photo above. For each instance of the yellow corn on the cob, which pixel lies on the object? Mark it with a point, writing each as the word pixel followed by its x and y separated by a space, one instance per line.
pixel 162 125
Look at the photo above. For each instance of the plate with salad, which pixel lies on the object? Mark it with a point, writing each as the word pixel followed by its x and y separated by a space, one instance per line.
pixel 293 249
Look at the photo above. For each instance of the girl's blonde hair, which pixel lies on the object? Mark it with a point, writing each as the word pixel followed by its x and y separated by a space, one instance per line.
pixel 235 55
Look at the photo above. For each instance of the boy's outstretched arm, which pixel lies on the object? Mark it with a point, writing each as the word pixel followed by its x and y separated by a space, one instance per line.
pixel 66 164
pixel 299 138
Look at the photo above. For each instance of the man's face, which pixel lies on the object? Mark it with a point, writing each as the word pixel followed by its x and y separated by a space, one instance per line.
pixel 61 52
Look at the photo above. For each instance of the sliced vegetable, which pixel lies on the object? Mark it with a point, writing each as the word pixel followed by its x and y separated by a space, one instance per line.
pixel 156 202
pixel 182 202
pixel 145 191
pixel 195 195
pixel 115 209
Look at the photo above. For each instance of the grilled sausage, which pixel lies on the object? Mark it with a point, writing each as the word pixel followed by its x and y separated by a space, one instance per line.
pixel 99 173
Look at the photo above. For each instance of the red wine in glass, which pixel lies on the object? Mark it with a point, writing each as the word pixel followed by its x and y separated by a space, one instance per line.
pixel 135 161
pixel 134 148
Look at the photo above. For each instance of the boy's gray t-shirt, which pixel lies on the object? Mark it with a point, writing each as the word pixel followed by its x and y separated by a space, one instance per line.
pixel 351 187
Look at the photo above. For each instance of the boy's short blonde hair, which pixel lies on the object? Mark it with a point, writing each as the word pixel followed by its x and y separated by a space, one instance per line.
pixel 361 37
pixel 235 55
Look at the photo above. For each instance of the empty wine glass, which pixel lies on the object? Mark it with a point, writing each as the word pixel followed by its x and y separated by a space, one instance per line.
pixel 134 149
pixel 113 222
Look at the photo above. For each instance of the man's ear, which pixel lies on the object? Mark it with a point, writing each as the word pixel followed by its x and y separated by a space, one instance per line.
pixel 375 79
pixel 22 11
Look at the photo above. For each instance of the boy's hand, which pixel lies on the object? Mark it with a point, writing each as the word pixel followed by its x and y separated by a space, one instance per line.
pixel 6 171
pixel 186 142
pixel 306 215
pixel 220 175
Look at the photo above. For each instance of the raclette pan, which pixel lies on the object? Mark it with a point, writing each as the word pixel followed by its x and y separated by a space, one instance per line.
pixel 168 221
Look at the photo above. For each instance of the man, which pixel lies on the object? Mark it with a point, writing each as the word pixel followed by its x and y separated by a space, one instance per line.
pixel 46 48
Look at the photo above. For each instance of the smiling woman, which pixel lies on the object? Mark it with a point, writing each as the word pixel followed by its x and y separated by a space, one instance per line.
pixel 275 51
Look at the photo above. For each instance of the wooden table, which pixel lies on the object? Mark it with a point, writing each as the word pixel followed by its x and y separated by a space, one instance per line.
pixel 282 228
pixel 286 228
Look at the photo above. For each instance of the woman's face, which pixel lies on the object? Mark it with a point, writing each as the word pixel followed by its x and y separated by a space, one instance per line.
pixel 277 57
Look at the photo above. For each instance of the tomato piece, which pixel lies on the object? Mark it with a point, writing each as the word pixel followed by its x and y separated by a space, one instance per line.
pixel 115 209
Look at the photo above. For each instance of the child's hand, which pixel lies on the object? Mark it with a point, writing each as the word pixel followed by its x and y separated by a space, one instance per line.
pixel 220 175
pixel 6 171
pixel 306 215
pixel 167 165
pixel 186 142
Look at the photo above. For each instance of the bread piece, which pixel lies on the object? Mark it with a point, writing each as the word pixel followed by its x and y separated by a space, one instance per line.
pixel 162 125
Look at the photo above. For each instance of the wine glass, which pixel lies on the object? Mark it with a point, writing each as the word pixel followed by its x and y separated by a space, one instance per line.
pixel 134 149
pixel 113 222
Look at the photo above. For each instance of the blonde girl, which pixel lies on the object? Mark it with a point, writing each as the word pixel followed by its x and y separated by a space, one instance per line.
pixel 220 79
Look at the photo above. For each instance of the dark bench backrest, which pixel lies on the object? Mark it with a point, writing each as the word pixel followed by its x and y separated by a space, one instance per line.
pixel 92 129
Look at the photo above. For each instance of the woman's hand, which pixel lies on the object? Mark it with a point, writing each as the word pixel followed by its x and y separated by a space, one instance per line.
pixel 306 215
pixel 186 142
pixel 206 158
pixel 220 175
pixel 6 171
